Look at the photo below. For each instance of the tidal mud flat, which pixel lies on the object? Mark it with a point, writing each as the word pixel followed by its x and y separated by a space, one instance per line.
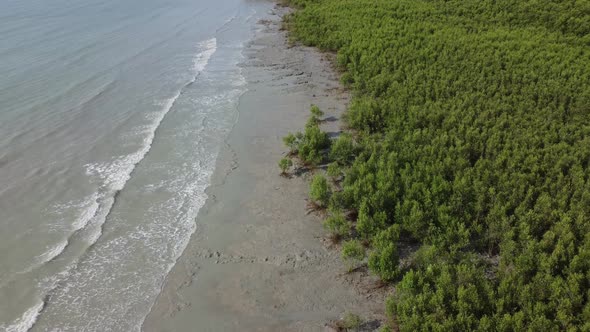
pixel 258 261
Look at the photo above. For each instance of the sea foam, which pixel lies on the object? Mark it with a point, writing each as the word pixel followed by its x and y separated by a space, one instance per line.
pixel 116 173
pixel 113 176
pixel 51 253
pixel 26 321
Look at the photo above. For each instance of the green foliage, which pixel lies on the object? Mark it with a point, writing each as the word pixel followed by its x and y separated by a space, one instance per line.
pixel 351 321
pixel 319 191
pixel 459 294
pixel 292 141
pixel 334 170
pixel 384 258
pixel 313 143
pixel 353 253
pixel 386 328
pixel 341 200
pixel 343 149
pixel 285 164
pixel 310 144
pixel 313 121
pixel 316 112
pixel 473 139
pixel 337 225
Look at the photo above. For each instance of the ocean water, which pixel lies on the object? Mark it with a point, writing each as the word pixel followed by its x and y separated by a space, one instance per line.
pixel 111 117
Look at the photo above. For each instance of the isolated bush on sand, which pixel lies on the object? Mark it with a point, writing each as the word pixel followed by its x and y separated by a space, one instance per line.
pixel 319 191
pixel 351 321
pixel 284 165
pixel 315 111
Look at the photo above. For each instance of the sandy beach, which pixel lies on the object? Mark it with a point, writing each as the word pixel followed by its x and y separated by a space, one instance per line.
pixel 258 261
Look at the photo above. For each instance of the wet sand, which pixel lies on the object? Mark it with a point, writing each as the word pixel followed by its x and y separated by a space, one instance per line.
pixel 258 261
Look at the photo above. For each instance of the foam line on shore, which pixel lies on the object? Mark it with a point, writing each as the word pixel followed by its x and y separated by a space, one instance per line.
pixel 114 175
pixel 26 321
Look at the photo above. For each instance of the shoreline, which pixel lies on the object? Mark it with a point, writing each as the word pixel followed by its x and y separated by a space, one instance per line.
pixel 257 262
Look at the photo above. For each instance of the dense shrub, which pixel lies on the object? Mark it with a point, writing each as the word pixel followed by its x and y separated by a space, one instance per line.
pixel 337 225
pixel 315 140
pixel 319 191
pixel 343 149
pixel 446 297
pixel 334 170
pixel 384 259
pixel 474 123
pixel 353 253
pixel 313 121
pixel 340 200
pixel 310 145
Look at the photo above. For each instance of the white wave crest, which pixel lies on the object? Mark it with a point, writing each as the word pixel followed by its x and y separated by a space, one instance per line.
pixel 88 212
pixel 116 173
pixel 26 321
pixel 51 253
pixel 113 176
pixel 202 58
